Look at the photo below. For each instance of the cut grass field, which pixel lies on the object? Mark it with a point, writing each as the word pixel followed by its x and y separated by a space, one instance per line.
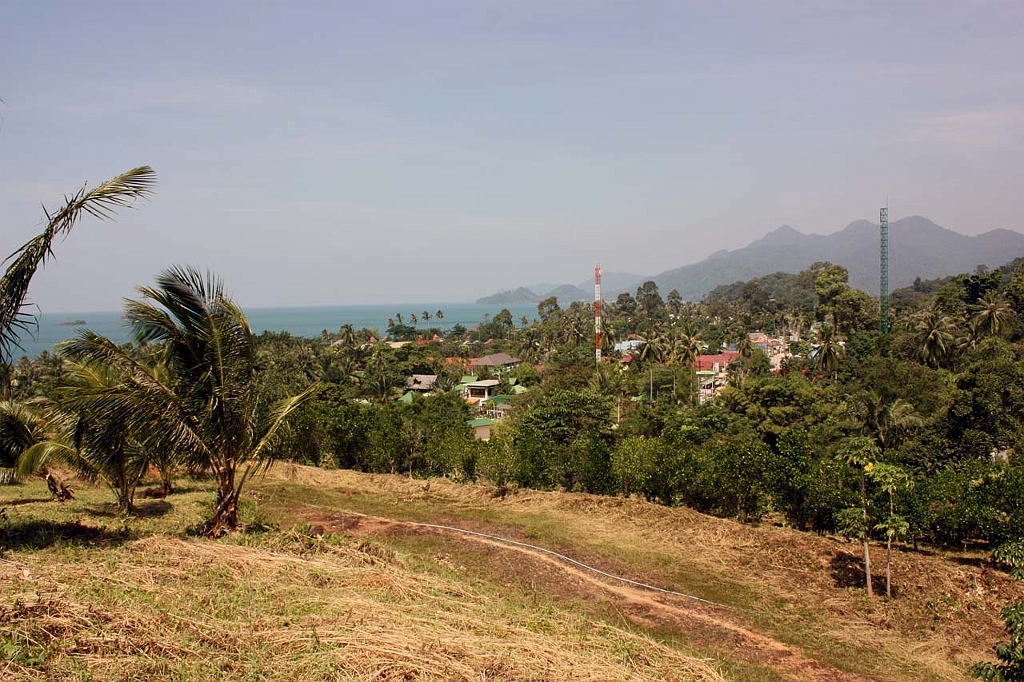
pixel 339 579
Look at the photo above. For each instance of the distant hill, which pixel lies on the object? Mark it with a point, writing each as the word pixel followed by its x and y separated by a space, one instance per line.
pixel 917 248
pixel 567 293
pixel 520 296
pixel 611 284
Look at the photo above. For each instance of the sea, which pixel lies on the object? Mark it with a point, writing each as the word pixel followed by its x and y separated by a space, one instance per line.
pixel 307 322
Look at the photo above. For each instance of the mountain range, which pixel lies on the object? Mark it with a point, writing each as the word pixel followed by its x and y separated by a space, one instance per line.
pixel 917 248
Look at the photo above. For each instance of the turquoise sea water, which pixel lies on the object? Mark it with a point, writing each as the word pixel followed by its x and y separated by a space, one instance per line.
pixel 302 321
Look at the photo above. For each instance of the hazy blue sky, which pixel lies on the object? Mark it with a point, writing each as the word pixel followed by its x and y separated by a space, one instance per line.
pixel 364 152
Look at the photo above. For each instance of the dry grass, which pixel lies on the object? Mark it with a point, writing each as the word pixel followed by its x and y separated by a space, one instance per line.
pixel 86 595
pixel 287 606
pixel 800 588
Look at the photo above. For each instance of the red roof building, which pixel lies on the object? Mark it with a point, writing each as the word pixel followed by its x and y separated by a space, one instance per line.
pixel 719 361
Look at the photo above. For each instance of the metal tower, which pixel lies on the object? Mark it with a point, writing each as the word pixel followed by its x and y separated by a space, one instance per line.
pixel 597 313
pixel 883 293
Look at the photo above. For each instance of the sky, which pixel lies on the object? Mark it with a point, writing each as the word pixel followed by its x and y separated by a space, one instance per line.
pixel 323 153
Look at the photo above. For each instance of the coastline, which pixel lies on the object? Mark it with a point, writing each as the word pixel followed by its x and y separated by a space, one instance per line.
pixel 304 321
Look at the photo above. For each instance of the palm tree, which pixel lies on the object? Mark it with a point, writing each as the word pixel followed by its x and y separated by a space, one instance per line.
pixel 86 439
pixel 683 351
pixel 380 379
pixel 887 420
pixel 208 408
pixel 935 337
pixel 992 314
pixel 101 202
pixel 22 425
pixel 347 335
pixel 656 346
pixel 575 329
pixel 162 456
pixel 826 351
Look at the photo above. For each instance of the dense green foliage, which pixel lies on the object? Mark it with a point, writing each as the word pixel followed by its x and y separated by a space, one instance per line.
pixel 910 436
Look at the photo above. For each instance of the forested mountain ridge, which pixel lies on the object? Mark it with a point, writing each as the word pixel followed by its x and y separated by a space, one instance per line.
pixel 917 248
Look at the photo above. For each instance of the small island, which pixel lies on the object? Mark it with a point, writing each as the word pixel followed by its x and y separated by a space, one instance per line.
pixel 71 323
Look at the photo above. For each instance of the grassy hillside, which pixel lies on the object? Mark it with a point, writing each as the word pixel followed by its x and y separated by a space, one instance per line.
pixel 338 578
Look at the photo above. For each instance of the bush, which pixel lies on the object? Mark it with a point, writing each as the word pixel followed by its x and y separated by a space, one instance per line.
pixel 1010 654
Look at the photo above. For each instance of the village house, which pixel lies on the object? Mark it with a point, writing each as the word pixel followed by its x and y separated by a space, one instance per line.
pixel 481 427
pixel 711 373
pixel 476 392
pixel 497 363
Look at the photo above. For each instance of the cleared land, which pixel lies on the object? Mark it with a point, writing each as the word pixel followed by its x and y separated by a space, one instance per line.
pixel 349 585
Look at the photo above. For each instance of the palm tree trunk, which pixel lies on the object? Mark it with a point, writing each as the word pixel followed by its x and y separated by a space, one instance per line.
pixel 225 517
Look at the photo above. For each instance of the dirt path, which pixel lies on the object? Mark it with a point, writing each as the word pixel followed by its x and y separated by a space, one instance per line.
pixel 717 626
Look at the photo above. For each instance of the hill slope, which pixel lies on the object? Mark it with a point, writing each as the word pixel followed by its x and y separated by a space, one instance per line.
pixel 389 578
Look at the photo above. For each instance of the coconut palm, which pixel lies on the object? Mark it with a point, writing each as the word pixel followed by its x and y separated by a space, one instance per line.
pixel 379 376
pixel 86 439
pixel 886 419
pixel 575 328
pixel 683 351
pixel 656 346
pixel 992 314
pixel 347 336
pixel 935 336
pixel 22 425
pixel 208 408
pixel 101 202
pixel 826 351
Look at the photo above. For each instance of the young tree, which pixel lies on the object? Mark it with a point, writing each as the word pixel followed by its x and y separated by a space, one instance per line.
pixel 87 439
pixel 209 408
pixel 859 452
pixel 891 479
pixel 21 426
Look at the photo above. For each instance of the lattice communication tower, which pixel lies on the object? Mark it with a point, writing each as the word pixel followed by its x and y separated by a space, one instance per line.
pixel 883 289
pixel 597 313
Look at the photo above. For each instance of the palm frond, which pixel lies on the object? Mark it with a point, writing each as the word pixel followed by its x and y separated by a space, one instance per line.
pixel 268 431
pixel 101 202
pixel 47 452
pixel 21 427
pixel 148 406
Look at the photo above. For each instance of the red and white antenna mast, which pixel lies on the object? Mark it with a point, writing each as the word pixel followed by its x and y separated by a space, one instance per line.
pixel 597 313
